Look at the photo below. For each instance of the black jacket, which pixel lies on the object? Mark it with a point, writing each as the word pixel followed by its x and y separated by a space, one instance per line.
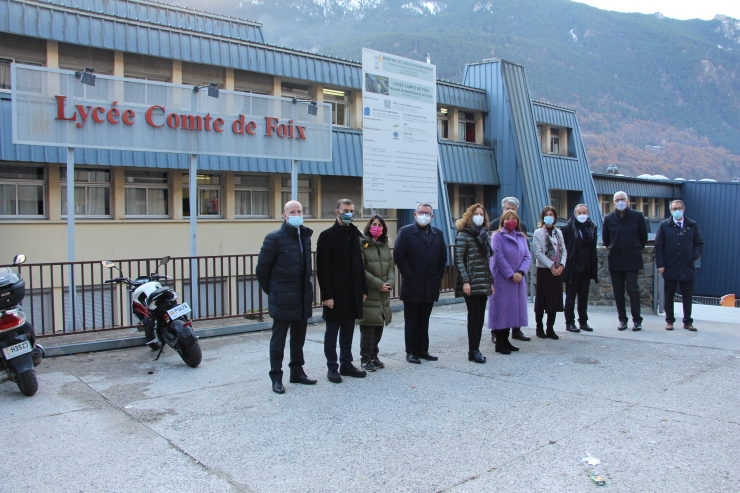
pixel 573 244
pixel 677 250
pixel 284 275
pixel 341 272
pixel 421 262
pixel 473 265
pixel 625 236
pixel 494 225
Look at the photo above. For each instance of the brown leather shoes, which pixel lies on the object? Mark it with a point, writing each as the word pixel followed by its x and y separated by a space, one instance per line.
pixel 689 327
pixel 668 326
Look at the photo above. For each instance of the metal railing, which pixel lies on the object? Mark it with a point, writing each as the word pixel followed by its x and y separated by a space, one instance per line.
pixel 226 287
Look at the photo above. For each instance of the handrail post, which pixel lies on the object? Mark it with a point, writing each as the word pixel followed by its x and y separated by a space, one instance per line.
pixel 193 190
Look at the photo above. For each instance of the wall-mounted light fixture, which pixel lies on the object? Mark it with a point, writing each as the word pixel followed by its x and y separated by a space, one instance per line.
pixel 86 77
pixel 212 89
pixel 313 109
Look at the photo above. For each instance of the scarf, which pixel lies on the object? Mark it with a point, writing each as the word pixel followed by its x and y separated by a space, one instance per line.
pixel 481 234
pixel 553 246
pixel 585 230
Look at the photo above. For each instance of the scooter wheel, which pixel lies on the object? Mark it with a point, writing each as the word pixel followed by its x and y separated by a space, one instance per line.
pixel 27 382
pixel 192 355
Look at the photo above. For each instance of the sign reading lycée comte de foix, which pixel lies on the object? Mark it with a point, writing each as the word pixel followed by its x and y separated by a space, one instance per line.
pixel 53 108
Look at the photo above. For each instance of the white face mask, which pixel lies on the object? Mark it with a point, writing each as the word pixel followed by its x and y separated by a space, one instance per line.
pixel 478 220
pixel 582 218
pixel 621 205
pixel 423 220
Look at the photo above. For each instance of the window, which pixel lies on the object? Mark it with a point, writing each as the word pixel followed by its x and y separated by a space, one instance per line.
pixel 305 193
pixel 92 192
pixel 252 196
pixel 443 123
pixel 559 200
pixel 465 197
pixel 646 206
pixel 209 195
pixel 298 91
pixel 22 191
pixel 381 212
pixel 340 106
pixel 555 140
pixel 633 203
pixel 5 74
pixel 657 209
pixel 147 193
pixel 466 127
pixel 606 205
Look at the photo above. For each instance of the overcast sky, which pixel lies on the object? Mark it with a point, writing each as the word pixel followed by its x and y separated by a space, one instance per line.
pixel 677 9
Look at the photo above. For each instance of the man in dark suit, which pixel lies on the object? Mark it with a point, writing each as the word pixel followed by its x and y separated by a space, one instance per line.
pixel 420 253
pixel 341 276
pixel 284 274
pixel 510 204
pixel 678 244
pixel 581 266
pixel 625 235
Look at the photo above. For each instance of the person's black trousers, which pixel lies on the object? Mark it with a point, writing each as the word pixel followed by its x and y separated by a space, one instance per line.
pixel 579 286
pixel 277 346
pixel 687 291
pixel 345 330
pixel 369 339
pixel 620 278
pixel 416 326
pixel 476 313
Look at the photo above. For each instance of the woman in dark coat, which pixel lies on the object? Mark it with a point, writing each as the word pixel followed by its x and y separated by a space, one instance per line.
pixel 474 279
pixel 509 264
pixel 380 273
pixel 551 254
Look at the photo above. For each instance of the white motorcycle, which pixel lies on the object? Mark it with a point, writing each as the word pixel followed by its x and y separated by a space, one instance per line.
pixel 163 320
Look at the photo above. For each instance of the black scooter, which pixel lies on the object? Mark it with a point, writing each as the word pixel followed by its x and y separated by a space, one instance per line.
pixel 20 353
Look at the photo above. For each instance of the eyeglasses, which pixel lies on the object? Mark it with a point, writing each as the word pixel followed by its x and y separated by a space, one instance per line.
pixel 428 214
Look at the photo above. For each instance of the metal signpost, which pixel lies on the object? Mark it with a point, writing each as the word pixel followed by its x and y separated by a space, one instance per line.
pixel 62 108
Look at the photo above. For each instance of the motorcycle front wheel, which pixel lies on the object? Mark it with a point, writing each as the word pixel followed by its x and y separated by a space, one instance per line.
pixel 192 355
pixel 27 382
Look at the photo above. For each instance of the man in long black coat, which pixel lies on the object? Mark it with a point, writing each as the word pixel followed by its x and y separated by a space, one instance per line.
pixel 341 275
pixel 625 235
pixel 284 273
pixel 581 266
pixel 678 244
pixel 420 254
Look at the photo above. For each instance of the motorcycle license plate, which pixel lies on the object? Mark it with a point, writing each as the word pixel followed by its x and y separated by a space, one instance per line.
pixel 179 311
pixel 17 349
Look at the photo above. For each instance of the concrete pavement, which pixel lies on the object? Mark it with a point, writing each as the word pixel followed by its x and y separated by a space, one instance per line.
pixel 659 409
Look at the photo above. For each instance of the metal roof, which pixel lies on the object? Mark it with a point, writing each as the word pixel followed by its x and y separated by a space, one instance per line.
pixel 637 187
pixel 465 163
pixel 461 96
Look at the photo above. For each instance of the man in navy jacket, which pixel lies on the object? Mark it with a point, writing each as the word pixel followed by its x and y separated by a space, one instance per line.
pixel 678 244
pixel 420 253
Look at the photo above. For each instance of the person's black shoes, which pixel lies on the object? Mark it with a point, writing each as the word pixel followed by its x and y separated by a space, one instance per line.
pixel 502 348
pixel 377 363
pixel 622 325
pixel 510 346
pixel 278 388
pixel 476 356
pixel 586 327
pixel 333 376
pixel 302 378
pixel 516 333
pixel 368 365
pixel 572 328
pixel 551 334
pixel 412 358
pixel 636 327
pixel 540 332
pixel 352 371
pixel 425 355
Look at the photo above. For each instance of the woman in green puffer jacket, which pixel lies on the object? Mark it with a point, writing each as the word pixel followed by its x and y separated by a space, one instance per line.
pixel 380 272
pixel 474 279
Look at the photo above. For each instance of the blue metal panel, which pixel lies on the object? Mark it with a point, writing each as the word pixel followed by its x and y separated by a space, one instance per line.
pixel 461 96
pixel 715 206
pixel 637 187
pixel 465 163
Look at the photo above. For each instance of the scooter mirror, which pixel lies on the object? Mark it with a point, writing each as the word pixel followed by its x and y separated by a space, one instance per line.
pixel 19 259
pixel 108 263
pixel 164 260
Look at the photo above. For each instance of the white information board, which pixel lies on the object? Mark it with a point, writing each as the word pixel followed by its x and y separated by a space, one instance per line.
pixel 399 131
pixel 52 107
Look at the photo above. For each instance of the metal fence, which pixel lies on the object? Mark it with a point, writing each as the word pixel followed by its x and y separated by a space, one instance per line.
pixel 216 287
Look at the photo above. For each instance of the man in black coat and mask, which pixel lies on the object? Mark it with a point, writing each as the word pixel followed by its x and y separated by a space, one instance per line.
pixel 284 273
pixel 625 235
pixel 341 275
pixel 581 266
pixel 420 254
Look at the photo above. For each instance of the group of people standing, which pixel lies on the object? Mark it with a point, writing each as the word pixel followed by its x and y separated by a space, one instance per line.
pixel 356 274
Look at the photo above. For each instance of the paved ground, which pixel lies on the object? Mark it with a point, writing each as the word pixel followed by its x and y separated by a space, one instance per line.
pixel 659 409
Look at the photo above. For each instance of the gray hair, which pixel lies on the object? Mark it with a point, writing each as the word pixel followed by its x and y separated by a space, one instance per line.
pixel 683 206
pixel 341 202
pixel 579 205
pixel 511 201
pixel 625 194
pixel 423 204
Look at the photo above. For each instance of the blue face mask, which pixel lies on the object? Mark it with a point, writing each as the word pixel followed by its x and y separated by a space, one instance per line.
pixel 346 217
pixel 295 221
pixel 677 215
pixel 549 220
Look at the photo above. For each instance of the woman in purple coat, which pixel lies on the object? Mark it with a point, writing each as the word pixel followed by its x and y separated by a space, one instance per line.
pixel 509 265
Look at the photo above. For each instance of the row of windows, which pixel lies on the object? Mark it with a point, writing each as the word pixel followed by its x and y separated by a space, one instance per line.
pixel 650 207
pixel 465 125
